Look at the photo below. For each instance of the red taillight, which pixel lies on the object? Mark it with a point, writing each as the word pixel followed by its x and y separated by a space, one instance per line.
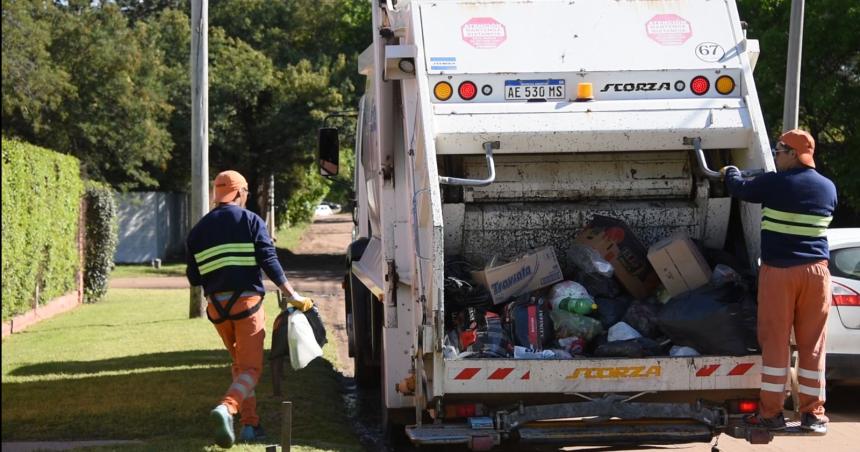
pixel 748 406
pixel 742 406
pixel 461 410
pixel 844 296
pixel 700 85
pixel 467 90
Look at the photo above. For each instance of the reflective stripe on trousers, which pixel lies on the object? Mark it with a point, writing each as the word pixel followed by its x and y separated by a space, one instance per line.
pixel 244 340
pixel 796 297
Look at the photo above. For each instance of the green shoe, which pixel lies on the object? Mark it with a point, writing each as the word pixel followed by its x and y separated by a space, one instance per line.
pixel 222 423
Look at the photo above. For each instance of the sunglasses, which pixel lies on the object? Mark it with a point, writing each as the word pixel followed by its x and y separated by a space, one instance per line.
pixel 779 148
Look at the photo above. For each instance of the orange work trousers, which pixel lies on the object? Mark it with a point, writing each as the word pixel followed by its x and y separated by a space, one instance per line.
pixel 796 297
pixel 244 340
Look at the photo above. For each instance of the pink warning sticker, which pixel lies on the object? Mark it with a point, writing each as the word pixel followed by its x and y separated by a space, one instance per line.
pixel 669 29
pixel 483 33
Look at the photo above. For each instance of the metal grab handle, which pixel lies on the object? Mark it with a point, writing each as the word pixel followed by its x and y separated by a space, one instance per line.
pixel 488 148
pixel 696 142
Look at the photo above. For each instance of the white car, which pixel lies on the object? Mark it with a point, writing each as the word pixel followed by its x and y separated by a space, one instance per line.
pixel 323 210
pixel 843 324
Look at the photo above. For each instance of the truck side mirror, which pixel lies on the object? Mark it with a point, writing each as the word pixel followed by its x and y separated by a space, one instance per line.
pixel 329 151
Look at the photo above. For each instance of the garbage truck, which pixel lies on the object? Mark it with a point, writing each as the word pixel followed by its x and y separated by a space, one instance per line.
pixel 492 128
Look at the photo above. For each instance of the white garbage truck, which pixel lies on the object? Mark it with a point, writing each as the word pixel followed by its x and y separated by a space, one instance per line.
pixel 491 128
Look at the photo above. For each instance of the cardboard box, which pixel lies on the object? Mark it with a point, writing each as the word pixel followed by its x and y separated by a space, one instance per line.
pixel 531 272
pixel 617 243
pixel 679 264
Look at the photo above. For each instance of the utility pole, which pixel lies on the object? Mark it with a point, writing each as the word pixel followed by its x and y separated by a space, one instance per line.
pixel 199 129
pixel 270 207
pixel 792 68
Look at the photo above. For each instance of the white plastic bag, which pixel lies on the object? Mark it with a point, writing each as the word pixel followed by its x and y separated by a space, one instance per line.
pixel 567 289
pixel 683 351
pixel 622 332
pixel 303 346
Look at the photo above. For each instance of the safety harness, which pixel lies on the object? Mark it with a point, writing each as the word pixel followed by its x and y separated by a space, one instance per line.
pixel 224 311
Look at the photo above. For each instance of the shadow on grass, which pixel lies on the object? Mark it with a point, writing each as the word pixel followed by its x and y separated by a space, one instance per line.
pixel 192 358
pixel 165 405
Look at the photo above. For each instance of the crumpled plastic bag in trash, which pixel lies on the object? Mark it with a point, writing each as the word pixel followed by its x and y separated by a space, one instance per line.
pixel 592 271
pixel 622 332
pixel 710 319
pixel 631 348
pixel 643 317
pixel 568 324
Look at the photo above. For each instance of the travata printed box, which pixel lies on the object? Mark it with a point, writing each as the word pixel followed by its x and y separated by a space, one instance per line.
pixel 531 272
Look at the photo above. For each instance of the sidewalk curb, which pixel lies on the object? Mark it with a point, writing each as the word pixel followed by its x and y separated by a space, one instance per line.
pixel 56 306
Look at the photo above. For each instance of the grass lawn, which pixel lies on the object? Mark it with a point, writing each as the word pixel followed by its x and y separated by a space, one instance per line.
pixel 135 367
pixel 288 238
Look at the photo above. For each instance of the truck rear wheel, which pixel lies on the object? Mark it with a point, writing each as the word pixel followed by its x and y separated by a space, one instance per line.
pixel 360 317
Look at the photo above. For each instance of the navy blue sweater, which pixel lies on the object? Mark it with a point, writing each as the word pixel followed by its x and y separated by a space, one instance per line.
pixel 227 249
pixel 797 206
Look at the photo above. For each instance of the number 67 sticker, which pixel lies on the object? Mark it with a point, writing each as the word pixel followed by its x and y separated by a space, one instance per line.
pixel 710 52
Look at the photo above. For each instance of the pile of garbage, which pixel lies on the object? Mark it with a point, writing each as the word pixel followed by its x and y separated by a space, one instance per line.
pixel 615 299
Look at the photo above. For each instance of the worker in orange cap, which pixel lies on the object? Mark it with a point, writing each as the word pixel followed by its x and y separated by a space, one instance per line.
pixel 794 282
pixel 226 251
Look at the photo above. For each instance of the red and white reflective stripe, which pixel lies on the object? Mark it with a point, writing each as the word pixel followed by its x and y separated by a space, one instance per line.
pixel 817 375
pixel 718 370
pixel 812 391
pixel 774 371
pixel 772 387
pixel 500 373
pixel 467 373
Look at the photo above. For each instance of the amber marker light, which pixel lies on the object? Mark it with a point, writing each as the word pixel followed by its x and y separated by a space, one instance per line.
pixel 584 92
pixel 725 85
pixel 443 91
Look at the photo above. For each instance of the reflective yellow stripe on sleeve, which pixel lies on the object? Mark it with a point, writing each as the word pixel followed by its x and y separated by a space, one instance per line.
pixel 795 230
pixel 225 248
pixel 242 261
pixel 808 220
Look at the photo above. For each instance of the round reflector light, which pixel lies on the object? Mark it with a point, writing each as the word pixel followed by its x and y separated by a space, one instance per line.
pixel 443 91
pixel 700 85
pixel 468 90
pixel 725 85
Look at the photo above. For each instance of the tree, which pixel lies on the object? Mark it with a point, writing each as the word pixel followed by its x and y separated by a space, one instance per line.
pixel 829 89
pixel 98 93
pixel 33 84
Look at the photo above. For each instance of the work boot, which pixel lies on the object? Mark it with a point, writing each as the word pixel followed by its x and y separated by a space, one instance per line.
pixel 771 423
pixel 250 433
pixel 813 423
pixel 222 423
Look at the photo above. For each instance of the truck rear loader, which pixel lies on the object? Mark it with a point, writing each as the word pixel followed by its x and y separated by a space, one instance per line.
pixel 491 128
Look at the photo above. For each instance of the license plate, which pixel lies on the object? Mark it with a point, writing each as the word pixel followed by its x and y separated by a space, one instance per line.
pixel 534 89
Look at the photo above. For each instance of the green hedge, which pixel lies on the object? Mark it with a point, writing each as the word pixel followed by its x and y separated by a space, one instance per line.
pixel 101 239
pixel 41 205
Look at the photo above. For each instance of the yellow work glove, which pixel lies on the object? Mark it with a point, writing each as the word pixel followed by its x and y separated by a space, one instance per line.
pixel 301 303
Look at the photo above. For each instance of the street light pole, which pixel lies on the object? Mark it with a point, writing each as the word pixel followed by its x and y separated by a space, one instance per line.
pixel 792 69
pixel 199 129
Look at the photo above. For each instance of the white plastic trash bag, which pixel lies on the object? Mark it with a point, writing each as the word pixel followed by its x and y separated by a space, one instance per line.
pixel 622 332
pixel 683 351
pixel 303 345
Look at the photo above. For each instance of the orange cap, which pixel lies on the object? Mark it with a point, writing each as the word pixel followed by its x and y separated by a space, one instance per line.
pixel 227 185
pixel 802 143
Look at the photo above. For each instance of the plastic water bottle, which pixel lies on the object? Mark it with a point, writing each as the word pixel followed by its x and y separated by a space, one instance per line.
pixel 581 306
